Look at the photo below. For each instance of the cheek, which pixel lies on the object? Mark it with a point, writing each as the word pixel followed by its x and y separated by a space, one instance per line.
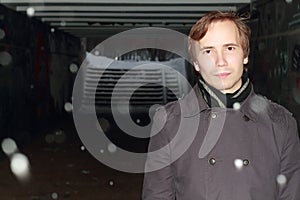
pixel 236 62
pixel 205 63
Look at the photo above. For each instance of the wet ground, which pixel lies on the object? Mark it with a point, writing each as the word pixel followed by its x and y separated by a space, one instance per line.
pixel 61 168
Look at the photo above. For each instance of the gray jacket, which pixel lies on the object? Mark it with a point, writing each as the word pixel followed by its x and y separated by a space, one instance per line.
pixel 249 153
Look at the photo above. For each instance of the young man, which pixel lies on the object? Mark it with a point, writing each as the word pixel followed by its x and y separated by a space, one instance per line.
pixel 245 147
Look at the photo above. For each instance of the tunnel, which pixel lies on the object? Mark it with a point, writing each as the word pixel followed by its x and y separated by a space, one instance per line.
pixel 81 81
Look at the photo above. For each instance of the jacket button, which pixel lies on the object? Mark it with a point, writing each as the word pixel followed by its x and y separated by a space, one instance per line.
pixel 212 161
pixel 246 118
pixel 214 115
pixel 246 162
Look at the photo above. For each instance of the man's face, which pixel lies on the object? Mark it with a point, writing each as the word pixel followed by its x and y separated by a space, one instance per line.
pixel 220 58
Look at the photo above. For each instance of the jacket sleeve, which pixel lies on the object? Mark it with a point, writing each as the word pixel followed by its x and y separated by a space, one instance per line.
pixel 159 178
pixel 290 163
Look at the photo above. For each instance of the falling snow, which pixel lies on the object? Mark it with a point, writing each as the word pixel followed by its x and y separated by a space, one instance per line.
pixel 54 195
pixel 111 183
pixel 5 58
pixel 236 106
pixel 30 11
pixel 20 166
pixel 281 179
pixel 112 148
pixel 73 68
pixel 9 146
pixel 68 107
pixel 238 163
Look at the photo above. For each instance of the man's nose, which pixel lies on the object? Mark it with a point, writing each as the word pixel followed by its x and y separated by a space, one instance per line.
pixel 220 60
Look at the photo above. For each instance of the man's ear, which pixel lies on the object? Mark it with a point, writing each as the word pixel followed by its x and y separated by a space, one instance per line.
pixel 246 60
pixel 196 66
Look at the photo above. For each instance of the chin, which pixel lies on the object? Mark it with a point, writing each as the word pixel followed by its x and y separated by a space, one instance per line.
pixel 221 86
pixel 224 88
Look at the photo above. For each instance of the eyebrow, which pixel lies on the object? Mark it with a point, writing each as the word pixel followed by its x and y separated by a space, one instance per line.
pixel 230 44
pixel 225 45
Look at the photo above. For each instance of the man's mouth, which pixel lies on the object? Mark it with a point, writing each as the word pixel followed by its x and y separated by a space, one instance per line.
pixel 223 74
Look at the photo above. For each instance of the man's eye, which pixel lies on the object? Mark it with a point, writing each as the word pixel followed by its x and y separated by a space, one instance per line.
pixel 207 51
pixel 231 48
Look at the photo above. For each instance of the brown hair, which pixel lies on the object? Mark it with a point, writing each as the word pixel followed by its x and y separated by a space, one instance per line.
pixel 199 29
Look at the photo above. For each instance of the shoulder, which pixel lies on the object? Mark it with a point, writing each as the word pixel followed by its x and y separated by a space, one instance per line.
pixel 166 112
pixel 274 112
pixel 189 105
pixel 278 113
pixel 165 122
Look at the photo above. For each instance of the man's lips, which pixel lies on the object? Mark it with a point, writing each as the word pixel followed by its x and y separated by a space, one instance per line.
pixel 223 74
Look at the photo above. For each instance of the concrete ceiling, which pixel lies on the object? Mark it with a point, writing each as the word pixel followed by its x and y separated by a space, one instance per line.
pixel 94 18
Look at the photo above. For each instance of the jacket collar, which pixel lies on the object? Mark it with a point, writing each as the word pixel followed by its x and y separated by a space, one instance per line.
pixel 248 106
pixel 193 104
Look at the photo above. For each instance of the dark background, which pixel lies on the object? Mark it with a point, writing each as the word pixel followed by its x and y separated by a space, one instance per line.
pixel 37 82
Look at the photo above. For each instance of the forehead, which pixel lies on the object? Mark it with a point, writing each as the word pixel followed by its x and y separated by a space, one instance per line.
pixel 220 32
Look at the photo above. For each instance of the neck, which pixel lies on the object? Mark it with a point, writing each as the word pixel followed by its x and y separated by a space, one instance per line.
pixel 217 98
pixel 234 89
